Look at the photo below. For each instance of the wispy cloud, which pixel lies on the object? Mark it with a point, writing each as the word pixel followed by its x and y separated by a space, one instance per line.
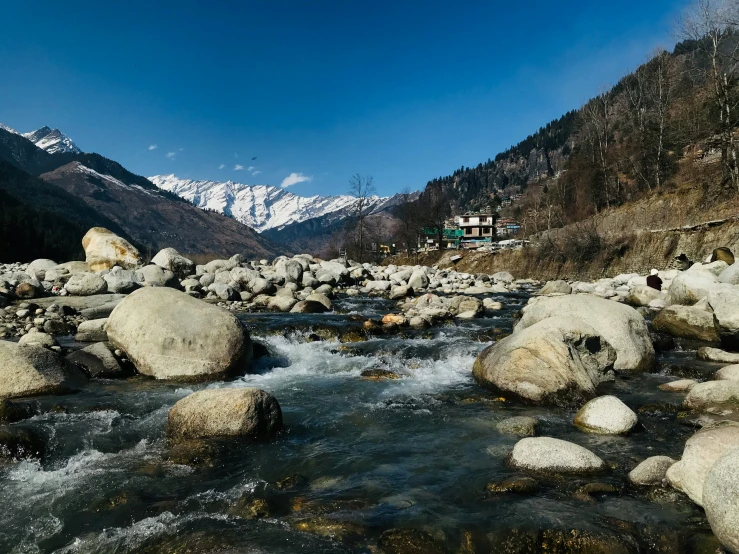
pixel 171 155
pixel 294 179
pixel 255 173
pixel 221 166
pixel 251 168
pixel 238 167
pixel 153 147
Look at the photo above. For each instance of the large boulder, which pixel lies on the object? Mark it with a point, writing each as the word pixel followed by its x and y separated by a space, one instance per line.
pixel 717 355
pixel 728 373
pixel 418 280
pixel 688 287
pixel 233 412
pixel 169 258
pixel 553 360
pixel 33 370
pixel 721 500
pixel 290 270
pixel 104 249
pixel 702 450
pixel 642 295
pixel 37 268
pixel 555 287
pixel 123 281
pixel 730 275
pixel 545 454
pixel 169 335
pixel 724 301
pixel 688 322
pixel 619 325
pixel 710 394
pixel 606 415
pixel 155 276
pixel 92 330
pixel 86 284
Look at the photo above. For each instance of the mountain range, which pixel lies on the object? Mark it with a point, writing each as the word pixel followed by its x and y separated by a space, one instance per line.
pixel 51 193
pixel 265 207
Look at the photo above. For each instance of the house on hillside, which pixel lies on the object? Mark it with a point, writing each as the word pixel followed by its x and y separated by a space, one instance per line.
pixel 429 239
pixel 477 229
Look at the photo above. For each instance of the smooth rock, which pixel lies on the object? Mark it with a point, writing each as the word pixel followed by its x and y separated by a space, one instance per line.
pixel 155 276
pixel 555 359
pixel 681 385
pixel 170 259
pixel 555 287
pixel 688 287
pixel 728 373
pixel 712 394
pixel 97 361
pixel 34 370
pixel 702 450
pixel 104 249
pixel 717 355
pixel 721 500
pixel 92 330
pixel 518 425
pixel 86 284
pixel 687 322
pixel 620 325
pixel 38 338
pixel 546 454
pixel 606 415
pixel 37 268
pixel 651 471
pixel 169 335
pixel 230 412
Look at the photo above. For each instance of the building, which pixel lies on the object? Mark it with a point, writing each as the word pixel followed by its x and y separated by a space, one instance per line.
pixel 507 227
pixel 430 239
pixel 477 229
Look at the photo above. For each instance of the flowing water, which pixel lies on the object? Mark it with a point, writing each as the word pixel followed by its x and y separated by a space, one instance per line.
pixel 362 456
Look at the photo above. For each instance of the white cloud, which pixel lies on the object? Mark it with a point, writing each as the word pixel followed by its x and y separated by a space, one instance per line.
pixel 171 155
pixel 153 147
pixel 238 167
pixel 255 173
pixel 294 179
pixel 251 168
pixel 221 166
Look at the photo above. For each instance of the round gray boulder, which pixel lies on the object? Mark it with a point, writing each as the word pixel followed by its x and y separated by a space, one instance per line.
pixel 551 455
pixel 169 258
pixel 721 500
pixel 606 415
pixel 86 284
pixel 651 471
pixel 233 412
pixel 170 335
pixel 553 360
pixel 619 325
pixel 33 370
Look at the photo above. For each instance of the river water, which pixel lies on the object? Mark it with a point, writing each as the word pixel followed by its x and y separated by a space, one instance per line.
pixel 358 457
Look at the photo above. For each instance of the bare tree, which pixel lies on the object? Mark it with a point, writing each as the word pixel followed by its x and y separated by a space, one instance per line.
pixel 435 210
pixel 362 188
pixel 712 25
pixel 408 212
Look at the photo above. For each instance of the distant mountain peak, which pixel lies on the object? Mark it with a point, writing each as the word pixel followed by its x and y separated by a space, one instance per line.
pixel 8 129
pixel 52 140
pixel 261 207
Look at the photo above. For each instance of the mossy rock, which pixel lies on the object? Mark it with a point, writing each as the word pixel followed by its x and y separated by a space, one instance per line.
pixel 247 507
pixel 408 541
pixel 342 531
pixel 589 490
pixel 517 485
pixel 353 336
pixel 113 501
pixel 326 332
pixel 316 507
pixel 379 374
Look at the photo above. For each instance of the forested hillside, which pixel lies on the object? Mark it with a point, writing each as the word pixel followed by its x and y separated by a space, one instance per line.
pixel 672 120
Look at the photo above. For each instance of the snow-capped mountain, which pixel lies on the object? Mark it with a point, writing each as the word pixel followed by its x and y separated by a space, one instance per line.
pixel 261 207
pixel 52 140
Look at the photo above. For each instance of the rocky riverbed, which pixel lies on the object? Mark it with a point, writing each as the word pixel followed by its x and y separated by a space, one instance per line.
pixel 302 405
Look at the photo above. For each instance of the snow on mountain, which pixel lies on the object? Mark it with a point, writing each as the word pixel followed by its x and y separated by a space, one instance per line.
pixel 8 129
pixel 261 207
pixel 52 140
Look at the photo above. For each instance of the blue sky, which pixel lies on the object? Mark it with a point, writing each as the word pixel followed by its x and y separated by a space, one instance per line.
pixel 315 90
